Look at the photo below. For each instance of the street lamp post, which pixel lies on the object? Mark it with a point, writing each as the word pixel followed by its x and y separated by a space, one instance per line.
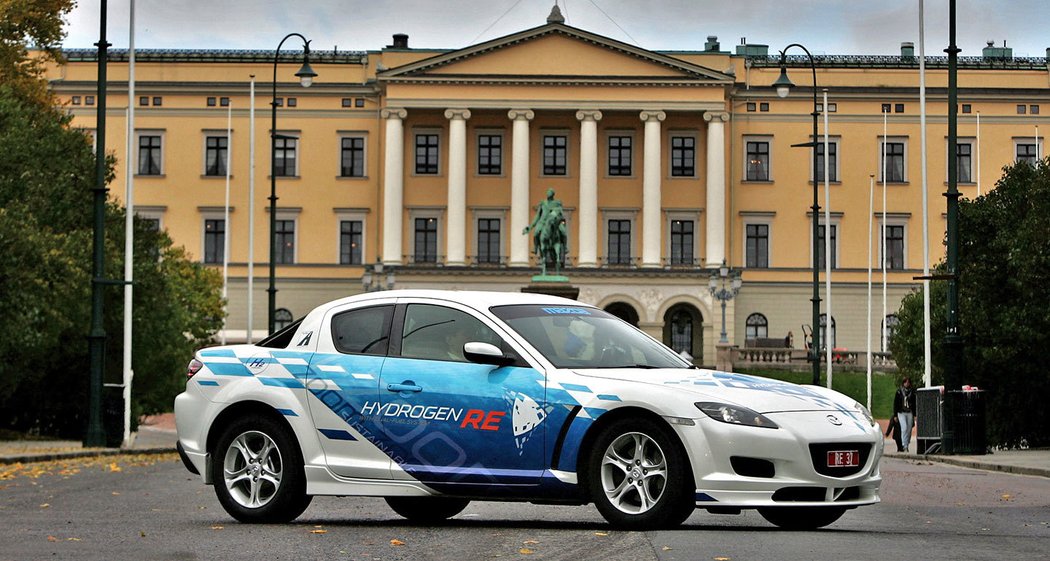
pixel 724 294
pixel 373 280
pixel 306 77
pixel 783 86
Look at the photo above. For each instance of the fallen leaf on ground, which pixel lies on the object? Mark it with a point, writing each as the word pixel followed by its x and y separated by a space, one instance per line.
pixel 665 548
pixel 530 542
pixel 45 505
pixel 721 558
pixel 116 493
pixel 318 531
pixel 526 551
pixel 601 533
pixel 52 539
pixel 1007 497
pixel 72 539
pixel 396 541
pixel 216 527
pixel 113 466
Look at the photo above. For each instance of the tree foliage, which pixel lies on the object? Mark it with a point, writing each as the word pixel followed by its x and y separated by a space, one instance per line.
pixel 24 24
pixel 46 178
pixel 1004 271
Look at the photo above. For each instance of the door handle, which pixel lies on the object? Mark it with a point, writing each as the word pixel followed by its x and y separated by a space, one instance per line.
pixel 408 386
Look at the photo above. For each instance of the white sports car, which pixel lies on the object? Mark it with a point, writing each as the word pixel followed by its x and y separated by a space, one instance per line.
pixel 432 399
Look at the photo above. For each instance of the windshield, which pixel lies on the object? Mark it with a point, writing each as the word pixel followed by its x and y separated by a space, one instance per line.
pixel 579 337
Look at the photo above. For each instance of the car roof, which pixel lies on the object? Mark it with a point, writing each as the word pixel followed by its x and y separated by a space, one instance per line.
pixel 474 298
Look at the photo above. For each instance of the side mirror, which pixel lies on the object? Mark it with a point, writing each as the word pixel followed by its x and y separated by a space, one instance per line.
pixel 485 353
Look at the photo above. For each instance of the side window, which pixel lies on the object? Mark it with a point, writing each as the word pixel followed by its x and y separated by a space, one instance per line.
pixel 439 333
pixel 363 331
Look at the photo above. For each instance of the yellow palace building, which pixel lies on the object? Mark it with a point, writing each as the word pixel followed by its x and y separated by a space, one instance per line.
pixel 431 163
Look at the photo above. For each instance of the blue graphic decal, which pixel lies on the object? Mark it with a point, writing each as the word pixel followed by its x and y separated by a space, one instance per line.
pixel 576 388
pixel 207 382
pixel 704 497
pixel 282 383
pixel 287 412
pixel 228 369
pixel 567 311
pixel 607 397
pixel 335 434
pixel 218 352
pixel 594 412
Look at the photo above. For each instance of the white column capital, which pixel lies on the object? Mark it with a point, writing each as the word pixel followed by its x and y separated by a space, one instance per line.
pixel 457 114
pixel 589 115
pixel 657 116
pixel 393 113
pixel 712 115
pixel 526 114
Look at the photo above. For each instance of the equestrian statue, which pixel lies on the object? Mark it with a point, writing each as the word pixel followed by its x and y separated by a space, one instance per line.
pixel 550 238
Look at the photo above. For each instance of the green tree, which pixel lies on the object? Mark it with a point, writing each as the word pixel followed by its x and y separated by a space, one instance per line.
pixel 25 23
pixel 1004 271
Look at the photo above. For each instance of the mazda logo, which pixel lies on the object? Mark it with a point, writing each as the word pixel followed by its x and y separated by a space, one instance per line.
pixel 834 420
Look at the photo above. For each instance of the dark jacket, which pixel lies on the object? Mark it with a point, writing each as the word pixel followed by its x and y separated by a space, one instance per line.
pixel 904 400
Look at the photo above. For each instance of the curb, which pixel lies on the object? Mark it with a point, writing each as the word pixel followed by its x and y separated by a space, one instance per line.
pixel 30 458
pixel 974 464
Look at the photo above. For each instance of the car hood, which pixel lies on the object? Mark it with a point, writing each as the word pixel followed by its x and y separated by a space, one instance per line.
pixel 763 395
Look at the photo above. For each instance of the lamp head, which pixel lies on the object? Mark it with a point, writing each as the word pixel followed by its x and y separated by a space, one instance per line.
pixel 723 271
pixel 783 84
pixel 306 74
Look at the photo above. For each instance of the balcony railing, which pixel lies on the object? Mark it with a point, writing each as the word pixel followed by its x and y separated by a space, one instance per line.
pixel 775 357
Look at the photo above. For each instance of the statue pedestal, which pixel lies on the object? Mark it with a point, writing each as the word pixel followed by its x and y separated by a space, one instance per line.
pixel 552 285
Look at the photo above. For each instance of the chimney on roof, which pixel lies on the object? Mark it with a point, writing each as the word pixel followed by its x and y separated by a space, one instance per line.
pixel 555 15
pixel 712 44
pixel 908 51
pixel 400 41
pixel 991 52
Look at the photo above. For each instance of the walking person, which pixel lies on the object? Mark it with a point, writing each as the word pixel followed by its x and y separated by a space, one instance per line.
pixel 904 411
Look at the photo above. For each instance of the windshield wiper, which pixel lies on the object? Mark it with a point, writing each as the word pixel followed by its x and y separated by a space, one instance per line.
pixel 641 366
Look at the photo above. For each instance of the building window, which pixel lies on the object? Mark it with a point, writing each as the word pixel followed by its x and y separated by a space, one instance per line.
pixel 279 102
pixel 157 101
pixel 885 107
pixel 752 107
pixel 350 232
pixel 824 332
pixel 215 153
pixel 833 108
pixel 1021 108
pixel 490 154
pixel 833 161
pixel 347 102
pixel 352 157
pixel 683 156
pixel 554 154
pixel 281 318
pixel 427 154
pixel 763 107
pixel 1026 153
pixel 224 101
pixel 893 167
pixel 426 240
pixel 964 161
pixel 681 327
pixel 967 108
pixel 285 241
pixel 889 326
pixel 620 155
pixel 211 102
pixel 89 100
pixel 898 108
pixel 834 247
pixel 682 236
pixel 1033 109
pixel 359 102
pixel 214 240
pixel 488 240
pixel 757 160
pixel 149 154
pixel 756 327
pixel 757 251
pixel 894 247
pixel 75 100
pixel 144 100
pixel 293 102
pixel 285 163
pixel 619 248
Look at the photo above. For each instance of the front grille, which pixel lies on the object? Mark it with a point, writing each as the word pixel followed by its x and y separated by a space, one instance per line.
pixel 800 494
pixel 752 467
pixel 819 454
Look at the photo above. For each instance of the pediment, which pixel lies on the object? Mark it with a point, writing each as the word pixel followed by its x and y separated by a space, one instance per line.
pixel 565 52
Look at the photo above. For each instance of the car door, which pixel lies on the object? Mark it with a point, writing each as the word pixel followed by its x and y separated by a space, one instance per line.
pixel 454 423
pixel 343 380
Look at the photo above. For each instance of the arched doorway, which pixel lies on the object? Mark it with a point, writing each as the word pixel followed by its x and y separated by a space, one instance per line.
pixel 623 311
pixel 684 333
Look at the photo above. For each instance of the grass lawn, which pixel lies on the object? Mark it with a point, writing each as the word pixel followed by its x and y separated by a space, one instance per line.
pixel 853 384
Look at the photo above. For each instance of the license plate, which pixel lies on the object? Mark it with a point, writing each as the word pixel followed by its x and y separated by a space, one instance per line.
pixel 843 458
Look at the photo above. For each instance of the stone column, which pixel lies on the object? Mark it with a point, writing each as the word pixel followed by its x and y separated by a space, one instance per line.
pixel 651 189
pixel 456 227
pixel 587 243
pixel 519 187
pixel 716 188
pixel 393 184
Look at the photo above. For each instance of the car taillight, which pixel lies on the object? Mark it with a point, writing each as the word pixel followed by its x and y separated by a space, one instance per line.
pixel 194 367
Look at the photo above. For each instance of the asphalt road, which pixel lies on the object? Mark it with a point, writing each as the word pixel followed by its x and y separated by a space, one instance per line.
pixel 149 507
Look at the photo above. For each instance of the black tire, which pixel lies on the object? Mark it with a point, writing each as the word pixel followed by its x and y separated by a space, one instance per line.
pixel 648 497
pixel 427 510
pixel 801 517
pixel 266 482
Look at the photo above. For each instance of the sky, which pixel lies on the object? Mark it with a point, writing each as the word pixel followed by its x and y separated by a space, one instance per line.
pixel 824 26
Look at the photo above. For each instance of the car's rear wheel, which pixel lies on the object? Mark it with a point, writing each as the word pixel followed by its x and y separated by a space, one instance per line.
pixel 258 471
pixel 801 517
pixel 427 510
pixel 639 476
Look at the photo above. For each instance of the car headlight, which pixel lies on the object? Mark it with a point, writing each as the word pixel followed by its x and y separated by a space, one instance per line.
pixel 735 415
pixel 864 412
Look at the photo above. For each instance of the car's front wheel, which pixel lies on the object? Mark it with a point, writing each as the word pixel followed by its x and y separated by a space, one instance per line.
pixel 427 510
pixel 639 476
pixel 801 518
pixel 258 471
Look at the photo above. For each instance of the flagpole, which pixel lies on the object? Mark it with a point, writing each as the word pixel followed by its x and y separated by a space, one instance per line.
pixel 978 153
pixel 129 230
pixel 226 224
pixel 871 217
pixel 882 236
pixel 251 209
pixel 927 376
pixel 829 322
